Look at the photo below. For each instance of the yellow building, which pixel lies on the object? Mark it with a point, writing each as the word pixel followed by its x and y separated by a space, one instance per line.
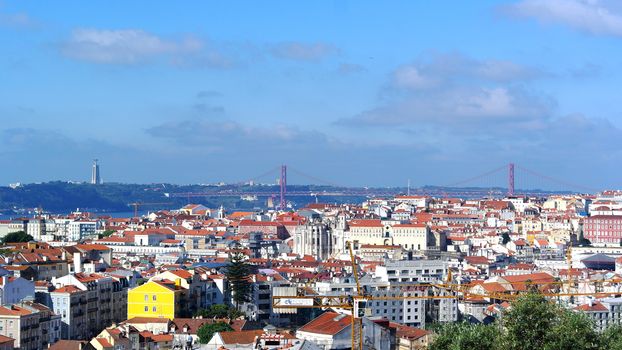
pixel 155 299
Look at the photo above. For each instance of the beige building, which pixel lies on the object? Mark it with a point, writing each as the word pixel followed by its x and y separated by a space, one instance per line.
pixel 375 232
pixel 33 326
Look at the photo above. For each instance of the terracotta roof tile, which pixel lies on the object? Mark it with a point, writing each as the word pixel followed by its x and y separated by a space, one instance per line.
pixel 328 323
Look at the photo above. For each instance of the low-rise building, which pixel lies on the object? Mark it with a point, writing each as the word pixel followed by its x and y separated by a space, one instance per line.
pixel 163 299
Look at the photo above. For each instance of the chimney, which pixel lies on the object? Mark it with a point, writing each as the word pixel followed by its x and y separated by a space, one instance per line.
pixel 178 282
pixel 77 262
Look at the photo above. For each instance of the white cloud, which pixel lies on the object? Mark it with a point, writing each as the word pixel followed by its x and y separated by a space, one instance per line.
pixel 462 109
pixel 218 133
pixel 437 69
pixel 125 46
pixel 410 77
pixel 591 16
pixel 459 93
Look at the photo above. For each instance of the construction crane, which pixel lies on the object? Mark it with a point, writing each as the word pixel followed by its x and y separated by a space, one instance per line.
pixel 432 291
pixel 356 321
pixel 137 205
pixel 356 303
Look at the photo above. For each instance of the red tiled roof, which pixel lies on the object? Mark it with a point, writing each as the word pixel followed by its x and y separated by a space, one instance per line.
pixel 594 307
pixel 477 260
pixel 147 320
pixel 67 289
pixel 365 223
pixel 259 223
pixel 64 344
pixel 5 339
pixel 240 337
pixel 328 323
pixel 181 273
pixel 162 338
pixel 104 342
pixel 92 247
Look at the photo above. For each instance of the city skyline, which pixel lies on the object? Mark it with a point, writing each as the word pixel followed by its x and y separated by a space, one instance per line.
pixel 375 95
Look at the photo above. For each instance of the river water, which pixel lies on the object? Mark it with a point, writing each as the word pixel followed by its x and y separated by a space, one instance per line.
pixel 120 214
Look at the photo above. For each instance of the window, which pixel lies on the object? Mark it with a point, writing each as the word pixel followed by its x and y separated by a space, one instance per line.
pixel 154 309
pixel 154 297
pixel 146 297
pixel 146 308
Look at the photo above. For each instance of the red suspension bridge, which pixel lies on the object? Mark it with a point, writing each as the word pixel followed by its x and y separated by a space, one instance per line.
pixel 507 180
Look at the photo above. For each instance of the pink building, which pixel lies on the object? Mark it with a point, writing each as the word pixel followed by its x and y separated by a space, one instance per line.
pixel 603 229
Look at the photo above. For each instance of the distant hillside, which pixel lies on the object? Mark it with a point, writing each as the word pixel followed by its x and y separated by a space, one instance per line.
pixel 61 196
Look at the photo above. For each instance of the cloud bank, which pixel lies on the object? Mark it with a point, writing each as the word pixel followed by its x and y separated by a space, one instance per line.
pixel 591 16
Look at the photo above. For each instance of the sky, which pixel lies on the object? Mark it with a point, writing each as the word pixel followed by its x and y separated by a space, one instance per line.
pixel 360 93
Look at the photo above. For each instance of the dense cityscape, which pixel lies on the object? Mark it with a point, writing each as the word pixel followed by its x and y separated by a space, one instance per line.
pixel 310 175
pixel 394 272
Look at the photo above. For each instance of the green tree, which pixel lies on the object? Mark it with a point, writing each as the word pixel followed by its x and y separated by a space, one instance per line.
pixel 506 238
pixel 206 331
pixel 528 323
pixel 105 234
pixel 238 275
pixel 17 237
pixel 573 330
pixel 611 338
pixel 532 322
pixel 466 336
pixel 219 311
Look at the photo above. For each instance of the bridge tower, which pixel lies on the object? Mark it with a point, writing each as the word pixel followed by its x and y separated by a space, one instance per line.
pixel 511 179
pixel 283 183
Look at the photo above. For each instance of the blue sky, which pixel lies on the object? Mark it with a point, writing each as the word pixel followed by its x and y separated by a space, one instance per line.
pixel 357 92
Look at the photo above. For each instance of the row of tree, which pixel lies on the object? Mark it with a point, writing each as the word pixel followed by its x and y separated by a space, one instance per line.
pixel 533 322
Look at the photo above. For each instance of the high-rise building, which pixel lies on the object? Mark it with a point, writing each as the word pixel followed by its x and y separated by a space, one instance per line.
pixel 95 178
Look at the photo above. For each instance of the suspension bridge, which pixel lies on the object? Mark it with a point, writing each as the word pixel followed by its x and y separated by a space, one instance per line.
pixel 507 180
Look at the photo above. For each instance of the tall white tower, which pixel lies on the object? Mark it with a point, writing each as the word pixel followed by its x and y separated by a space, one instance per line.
pixel 95 178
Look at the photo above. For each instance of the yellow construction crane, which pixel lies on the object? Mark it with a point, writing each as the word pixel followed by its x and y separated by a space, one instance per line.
pixel 356 303
pixel 435 291
pixel 357 323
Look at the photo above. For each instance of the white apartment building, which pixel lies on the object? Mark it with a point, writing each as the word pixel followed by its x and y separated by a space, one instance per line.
pixel 83 229
pixel 604 313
